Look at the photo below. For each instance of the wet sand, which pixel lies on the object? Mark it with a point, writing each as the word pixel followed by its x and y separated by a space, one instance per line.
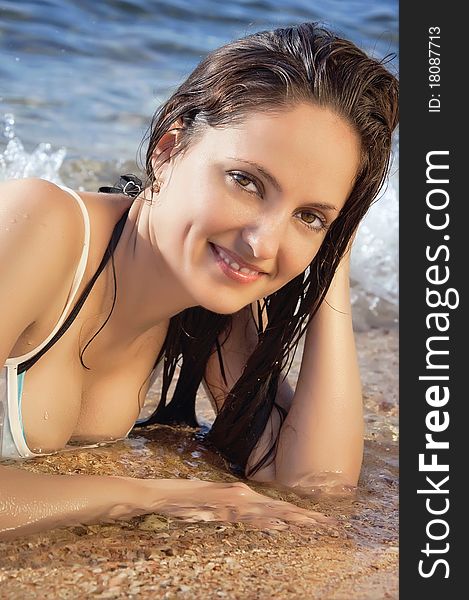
pixel 158 557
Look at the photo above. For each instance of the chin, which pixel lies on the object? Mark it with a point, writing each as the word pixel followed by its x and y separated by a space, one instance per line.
pixel 223 308
pixel 223 304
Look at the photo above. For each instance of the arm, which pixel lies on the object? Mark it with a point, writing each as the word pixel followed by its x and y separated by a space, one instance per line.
pixel 323 432
pixel 321 440
pixel 31 502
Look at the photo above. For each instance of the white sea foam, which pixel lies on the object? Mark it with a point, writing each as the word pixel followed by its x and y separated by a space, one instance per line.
pixel 16 162
pixel 375 256
pixel 374 262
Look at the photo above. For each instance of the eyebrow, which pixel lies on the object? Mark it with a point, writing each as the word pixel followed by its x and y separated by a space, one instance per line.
pixel 276 184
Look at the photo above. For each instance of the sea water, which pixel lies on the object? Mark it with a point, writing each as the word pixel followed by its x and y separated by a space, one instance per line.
pixel 79 83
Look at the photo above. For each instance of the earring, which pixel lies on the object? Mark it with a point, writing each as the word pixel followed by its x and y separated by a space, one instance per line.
pixel 154 191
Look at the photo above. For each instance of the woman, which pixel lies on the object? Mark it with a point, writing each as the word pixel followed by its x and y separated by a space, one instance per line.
pixel 259 169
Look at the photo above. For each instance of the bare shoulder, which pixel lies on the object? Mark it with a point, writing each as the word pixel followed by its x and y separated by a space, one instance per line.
pixel 41 239
pixel 37 215
pixel 35 195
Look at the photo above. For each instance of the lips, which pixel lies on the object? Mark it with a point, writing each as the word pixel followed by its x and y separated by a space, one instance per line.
pixel 233 257
pixel 232 273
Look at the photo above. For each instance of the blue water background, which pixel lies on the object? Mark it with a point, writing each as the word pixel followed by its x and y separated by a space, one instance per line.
pixel 88 74
pixel 80 80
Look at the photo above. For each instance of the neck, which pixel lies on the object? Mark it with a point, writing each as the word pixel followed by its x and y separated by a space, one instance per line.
pixel 148 293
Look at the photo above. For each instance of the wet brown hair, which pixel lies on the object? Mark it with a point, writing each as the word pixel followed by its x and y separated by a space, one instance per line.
pixel 271 71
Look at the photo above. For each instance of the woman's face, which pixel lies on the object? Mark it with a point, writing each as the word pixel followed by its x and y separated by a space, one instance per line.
pixel 264 191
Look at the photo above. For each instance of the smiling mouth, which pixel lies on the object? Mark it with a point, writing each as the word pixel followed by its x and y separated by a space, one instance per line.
pixel 233 269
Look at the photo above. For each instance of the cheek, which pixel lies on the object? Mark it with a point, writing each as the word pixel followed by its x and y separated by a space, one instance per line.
pixel 300 255
pixel 186 201
pixel 203 202
pixel 192 221
pixel 209 214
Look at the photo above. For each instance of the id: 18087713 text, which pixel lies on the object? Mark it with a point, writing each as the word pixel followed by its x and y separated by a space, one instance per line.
pixel 434 77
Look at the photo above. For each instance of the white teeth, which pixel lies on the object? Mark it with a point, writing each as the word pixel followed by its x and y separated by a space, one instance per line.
pixel 235 265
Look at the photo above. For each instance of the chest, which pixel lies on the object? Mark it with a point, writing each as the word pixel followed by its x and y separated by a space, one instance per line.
pixel 91 384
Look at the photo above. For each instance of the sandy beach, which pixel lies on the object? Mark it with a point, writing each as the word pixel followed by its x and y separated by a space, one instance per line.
pixel 157 557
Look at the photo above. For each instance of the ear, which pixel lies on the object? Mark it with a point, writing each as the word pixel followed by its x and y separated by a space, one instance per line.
pixel 167 145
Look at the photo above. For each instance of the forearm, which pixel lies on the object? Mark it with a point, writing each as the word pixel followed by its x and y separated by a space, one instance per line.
pixel 323 432
pixel 31 502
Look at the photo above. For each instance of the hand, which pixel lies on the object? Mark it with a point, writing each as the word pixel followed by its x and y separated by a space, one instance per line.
pixel 338 294
pixel 193 500
pixel 345 260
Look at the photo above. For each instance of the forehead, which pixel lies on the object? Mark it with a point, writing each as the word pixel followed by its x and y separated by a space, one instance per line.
pixel 306 146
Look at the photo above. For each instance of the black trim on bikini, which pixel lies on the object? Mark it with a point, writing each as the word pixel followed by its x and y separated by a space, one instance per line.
pixel 116 234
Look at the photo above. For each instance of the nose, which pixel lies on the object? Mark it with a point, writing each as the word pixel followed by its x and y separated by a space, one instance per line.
pixel 265 236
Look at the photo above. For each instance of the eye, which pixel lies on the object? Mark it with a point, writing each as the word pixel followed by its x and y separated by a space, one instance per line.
pixel 313 221
pixel 246 182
